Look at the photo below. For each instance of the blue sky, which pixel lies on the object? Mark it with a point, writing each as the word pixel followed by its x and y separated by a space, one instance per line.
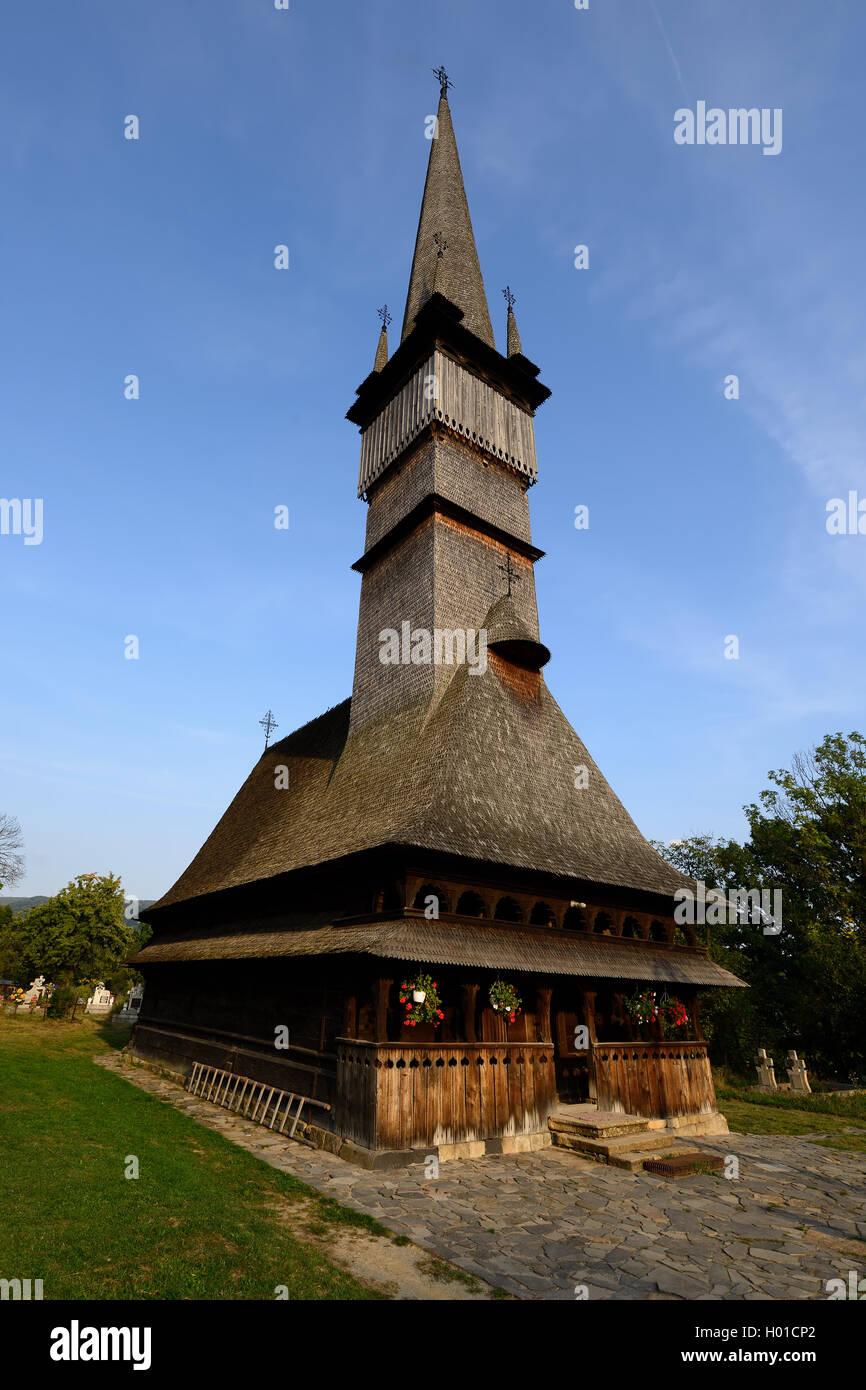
pixel 306 127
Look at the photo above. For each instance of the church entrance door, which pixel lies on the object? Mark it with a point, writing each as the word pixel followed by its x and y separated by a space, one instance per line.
pixel 570 1061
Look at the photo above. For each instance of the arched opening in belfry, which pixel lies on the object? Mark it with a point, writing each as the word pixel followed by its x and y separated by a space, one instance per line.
pixel 542 915
pixel 470 904
pixel 631 927
pixel 603 924
pixel 575 919
pixel 425 893
pixel 508 910
pixel 658 932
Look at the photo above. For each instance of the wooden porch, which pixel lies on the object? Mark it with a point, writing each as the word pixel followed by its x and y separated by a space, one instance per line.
pixel 394 1095
pixel 657 1080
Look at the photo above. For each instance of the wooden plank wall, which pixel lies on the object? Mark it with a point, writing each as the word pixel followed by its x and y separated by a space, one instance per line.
pixel 656 1080
pixel 463 402
pixel 396 1096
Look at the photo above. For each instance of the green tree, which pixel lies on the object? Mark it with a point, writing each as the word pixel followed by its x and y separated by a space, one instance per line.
pixel 734 1020
pixel 808 837
pixel 808 984
pixel 12 964
pixel 80 935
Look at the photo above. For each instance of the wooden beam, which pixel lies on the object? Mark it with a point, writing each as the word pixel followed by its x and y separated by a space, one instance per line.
pixel 696 1017
pixel 350 1017
pixel 542 1014
pixel 469 995
pixel 381 991
pixel 588 1002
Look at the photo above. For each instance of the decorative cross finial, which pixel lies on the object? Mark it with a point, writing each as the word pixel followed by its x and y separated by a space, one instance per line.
pixel 444 81
pixel 511 572
pixel 269 723
pixel 441 243
pixel 509 298
pixel 384 316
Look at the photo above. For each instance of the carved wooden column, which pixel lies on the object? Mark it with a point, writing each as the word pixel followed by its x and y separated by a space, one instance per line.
pixel 381 991
pixel 542 1014
pixel 696 1018
pixel 469 994
pixel 588 998
pixel 350 1017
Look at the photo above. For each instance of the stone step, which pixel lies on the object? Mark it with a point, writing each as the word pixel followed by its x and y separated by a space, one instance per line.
pixel 618 1150
pixel 615 1143
pixel 597 1125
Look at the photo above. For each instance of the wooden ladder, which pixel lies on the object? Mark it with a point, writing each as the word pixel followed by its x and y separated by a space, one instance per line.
pixel 254 1100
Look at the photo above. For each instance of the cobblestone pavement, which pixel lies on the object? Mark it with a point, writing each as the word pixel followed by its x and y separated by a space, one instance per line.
pixel 540 1224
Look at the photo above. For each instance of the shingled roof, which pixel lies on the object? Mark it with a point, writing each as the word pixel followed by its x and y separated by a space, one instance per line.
pixel 487 774
pixel 487 946
pixel 445 213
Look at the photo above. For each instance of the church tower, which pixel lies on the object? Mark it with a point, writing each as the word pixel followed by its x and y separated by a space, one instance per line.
pixel 447 458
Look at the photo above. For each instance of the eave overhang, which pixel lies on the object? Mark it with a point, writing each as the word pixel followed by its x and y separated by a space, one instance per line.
pixel 439 322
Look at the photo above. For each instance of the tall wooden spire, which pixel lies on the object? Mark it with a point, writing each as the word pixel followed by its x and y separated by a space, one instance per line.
pixel 445 212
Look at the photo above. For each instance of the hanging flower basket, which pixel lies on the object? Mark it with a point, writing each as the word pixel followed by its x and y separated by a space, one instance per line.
pixel 421 1003
pixel 642 1008
pixel 505 999
pixel 675 1018
pixel 647 1009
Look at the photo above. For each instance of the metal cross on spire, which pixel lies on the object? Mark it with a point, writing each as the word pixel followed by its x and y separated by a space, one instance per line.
pixel 384 316
pixel 269 723
pixel 509 298
pixel 444 80
pixel 509 570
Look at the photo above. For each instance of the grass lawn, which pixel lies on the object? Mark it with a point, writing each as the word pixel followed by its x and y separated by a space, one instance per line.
pixel 202 1219
pixel 849 1107
pixel 751 1112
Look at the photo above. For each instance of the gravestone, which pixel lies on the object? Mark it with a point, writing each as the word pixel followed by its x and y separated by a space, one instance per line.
pixel 35 992
pixel 766 1071
pixel 100 1001
pixel 797 1074
pixel 132 1005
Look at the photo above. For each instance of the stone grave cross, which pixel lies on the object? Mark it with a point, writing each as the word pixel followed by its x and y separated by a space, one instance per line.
pixel 797 1074
pixel 766 1070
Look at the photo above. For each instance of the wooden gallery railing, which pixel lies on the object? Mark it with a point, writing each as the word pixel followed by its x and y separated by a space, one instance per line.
pixel 399 1096
pixel 654 1079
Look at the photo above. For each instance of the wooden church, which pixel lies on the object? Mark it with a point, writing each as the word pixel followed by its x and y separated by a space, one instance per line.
pixel 426 911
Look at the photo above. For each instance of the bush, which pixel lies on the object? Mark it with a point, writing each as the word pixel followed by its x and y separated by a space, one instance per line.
pixel 63 1001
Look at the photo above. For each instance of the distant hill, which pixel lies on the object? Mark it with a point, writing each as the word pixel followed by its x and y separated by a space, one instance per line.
pixel 24 904
pixel 21 904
